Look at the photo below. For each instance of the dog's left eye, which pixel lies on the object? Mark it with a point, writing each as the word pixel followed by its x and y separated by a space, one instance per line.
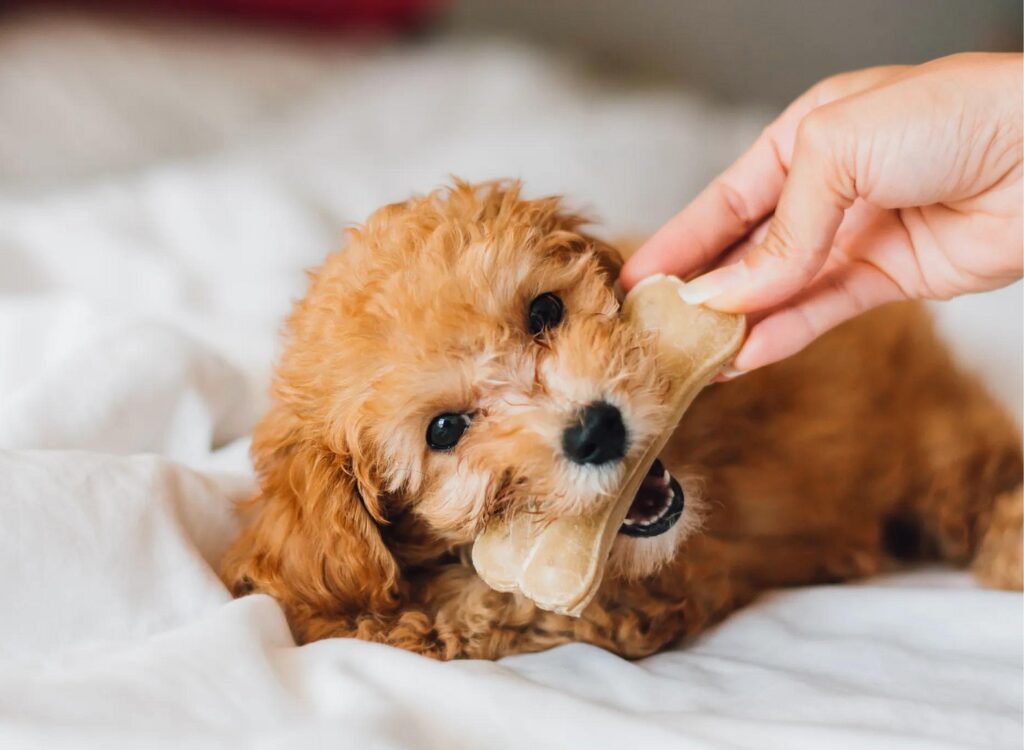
pixel 445 430
pixel 546 311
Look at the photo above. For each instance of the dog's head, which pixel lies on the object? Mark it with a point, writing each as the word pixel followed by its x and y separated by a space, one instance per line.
pixel 463 357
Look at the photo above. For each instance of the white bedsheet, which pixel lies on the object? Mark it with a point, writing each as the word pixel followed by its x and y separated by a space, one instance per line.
pixel 160 194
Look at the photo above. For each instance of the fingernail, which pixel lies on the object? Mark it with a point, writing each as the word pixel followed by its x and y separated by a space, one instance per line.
pixel 648 280
pixel 711 285
pixel 731 372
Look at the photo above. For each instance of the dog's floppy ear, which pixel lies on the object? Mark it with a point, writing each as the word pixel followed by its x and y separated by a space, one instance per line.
pixel 610 256
pixel 312 541
pixel 619 250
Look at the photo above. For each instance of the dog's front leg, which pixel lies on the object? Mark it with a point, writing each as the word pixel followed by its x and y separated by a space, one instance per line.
pixel 446 612
pixel 450 613
pixel 408 629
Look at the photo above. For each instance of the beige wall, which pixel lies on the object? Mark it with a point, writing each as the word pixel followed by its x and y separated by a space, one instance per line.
pixel 745 50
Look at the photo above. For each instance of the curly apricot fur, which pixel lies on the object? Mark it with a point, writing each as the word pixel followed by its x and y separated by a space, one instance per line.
pixel 868 445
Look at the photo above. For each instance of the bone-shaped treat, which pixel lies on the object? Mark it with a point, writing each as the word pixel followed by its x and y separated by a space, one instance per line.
pixel 559 564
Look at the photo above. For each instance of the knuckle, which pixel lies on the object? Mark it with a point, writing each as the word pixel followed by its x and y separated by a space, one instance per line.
pixel 778 243
pixel 826 90
pixel 737 206
pixel 818 321
pixel 828 146
pixel 845 294
pixel 807 324
pixel 816 131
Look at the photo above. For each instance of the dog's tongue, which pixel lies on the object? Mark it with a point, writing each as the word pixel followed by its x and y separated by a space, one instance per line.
pixel 559 565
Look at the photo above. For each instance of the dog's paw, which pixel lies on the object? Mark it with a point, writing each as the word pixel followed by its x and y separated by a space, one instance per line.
pixel 999 561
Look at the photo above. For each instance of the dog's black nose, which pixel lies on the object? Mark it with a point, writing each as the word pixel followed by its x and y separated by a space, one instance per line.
pixel 597 437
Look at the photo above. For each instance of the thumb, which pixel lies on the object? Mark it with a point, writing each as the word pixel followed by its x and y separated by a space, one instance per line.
pixel 818 190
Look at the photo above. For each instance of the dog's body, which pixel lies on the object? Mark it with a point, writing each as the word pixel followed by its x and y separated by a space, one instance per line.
pixel 868 447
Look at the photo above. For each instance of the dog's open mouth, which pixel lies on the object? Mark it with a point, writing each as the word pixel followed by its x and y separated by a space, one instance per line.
pixel 657 506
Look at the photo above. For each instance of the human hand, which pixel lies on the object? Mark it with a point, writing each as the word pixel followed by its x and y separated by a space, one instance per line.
pixel 877 185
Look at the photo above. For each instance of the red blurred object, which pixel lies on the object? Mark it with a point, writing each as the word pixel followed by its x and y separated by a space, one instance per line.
pixel 318 13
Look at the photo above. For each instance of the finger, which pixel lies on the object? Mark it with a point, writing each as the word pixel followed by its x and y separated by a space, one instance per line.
pixel 859 231
pixel 741 249
pixel 834 299
pixel 745 193
pixel 819 189
pixel 723 213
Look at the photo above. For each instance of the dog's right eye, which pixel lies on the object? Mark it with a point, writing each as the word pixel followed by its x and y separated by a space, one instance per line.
pixel 445 430
pixel 546 311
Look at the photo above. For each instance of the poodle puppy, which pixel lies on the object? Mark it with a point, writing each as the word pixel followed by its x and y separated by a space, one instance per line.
pixel 440 371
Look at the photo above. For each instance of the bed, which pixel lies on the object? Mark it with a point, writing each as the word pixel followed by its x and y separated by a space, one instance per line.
pixel 162 189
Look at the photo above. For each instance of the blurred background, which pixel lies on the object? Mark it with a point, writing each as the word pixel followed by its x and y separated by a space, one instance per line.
pixel 745 53
pixel 745 50
pixel 178 163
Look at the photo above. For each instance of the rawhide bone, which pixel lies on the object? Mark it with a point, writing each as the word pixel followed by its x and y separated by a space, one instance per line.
pixel 559 564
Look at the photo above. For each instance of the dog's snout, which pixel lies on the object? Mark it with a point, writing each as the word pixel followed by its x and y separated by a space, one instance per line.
pixel 598 436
